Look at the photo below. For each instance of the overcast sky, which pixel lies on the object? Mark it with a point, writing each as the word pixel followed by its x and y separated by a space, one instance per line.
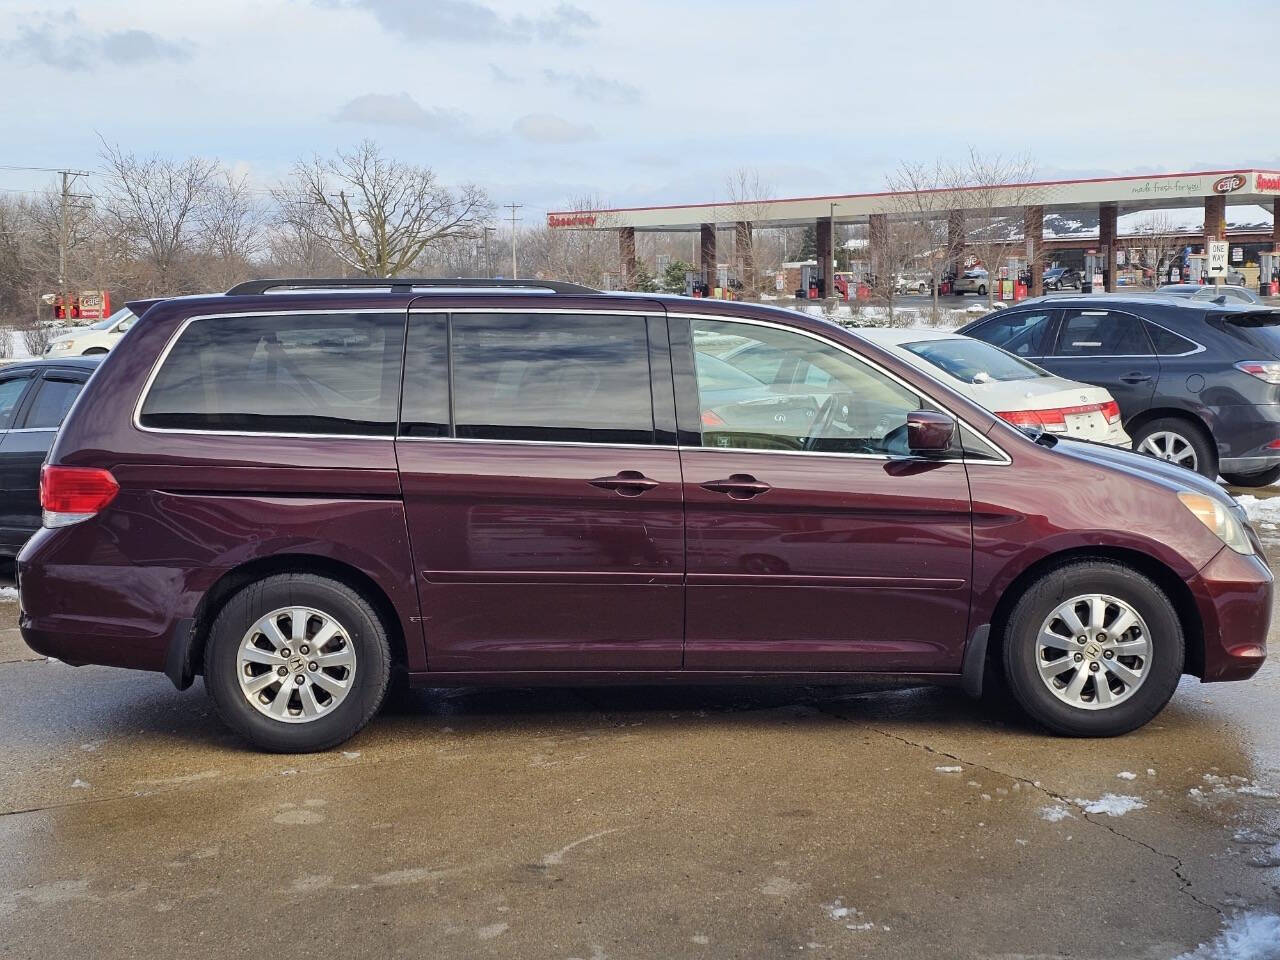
pixel 642 102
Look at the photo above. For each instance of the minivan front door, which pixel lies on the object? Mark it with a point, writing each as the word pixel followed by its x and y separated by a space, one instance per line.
pixel 542 491
pixel 815 542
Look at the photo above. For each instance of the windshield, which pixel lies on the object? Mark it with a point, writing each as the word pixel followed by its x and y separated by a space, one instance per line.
pixel 972 361
pixel 111 320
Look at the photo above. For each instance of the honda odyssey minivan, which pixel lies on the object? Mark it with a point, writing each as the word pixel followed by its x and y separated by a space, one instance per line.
pixel 299 489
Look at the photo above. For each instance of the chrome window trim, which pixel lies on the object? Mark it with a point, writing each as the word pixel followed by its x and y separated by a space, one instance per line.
pixel 1006 461
pixel 640 313
pixel 542 443
pixel 31 430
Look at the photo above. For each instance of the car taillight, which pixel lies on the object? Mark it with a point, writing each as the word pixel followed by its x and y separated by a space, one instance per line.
pixel 1265 370
pixel 712 419
pixel 1055 419
pixel 71 494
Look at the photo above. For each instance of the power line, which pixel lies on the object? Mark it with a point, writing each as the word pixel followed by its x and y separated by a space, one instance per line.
pixel 78 173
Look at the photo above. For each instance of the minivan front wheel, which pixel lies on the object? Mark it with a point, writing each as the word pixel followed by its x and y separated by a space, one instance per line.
pixel 1093 649
pixel 297 662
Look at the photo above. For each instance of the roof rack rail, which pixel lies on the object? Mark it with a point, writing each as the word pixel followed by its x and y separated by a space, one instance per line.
pixel 401 284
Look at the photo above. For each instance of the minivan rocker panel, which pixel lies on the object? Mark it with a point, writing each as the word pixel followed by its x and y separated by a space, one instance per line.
pixel 725 535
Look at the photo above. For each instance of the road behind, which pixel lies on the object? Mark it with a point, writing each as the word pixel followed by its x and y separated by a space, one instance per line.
pixel 639 822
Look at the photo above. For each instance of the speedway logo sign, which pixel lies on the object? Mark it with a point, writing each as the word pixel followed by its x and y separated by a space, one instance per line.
pixel 1269 182
pixel 571 220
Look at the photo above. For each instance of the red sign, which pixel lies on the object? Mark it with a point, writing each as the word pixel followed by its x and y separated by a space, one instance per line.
pixel 1268 183
pixel 571 219
pixel 1230 183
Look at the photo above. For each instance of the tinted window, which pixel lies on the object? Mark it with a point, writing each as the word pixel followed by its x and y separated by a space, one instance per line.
pixel 1102 333
pixel 551 377
pixel 335 373
pixel 1168 343
pixel 10 393
pixel 425 409
pixel 53 399
pixel 972 361
pixel 854 409
pixel 1020 333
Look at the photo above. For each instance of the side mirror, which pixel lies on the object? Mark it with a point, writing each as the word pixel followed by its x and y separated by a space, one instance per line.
pixel 929 431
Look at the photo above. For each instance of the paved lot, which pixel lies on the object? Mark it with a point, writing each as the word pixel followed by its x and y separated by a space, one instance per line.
pixel 629 823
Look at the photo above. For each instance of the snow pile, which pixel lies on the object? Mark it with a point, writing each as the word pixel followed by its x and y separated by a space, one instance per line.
pixel 8 594
pixel 1260 509
pixel 1112 804
pixel 1248 936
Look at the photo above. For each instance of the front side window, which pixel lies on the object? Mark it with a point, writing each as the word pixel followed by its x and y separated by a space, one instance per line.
pixel 561 378
pixel 330 373
pixel 1019 333
pixel 11 390
pixel 53 400
pixel 830 403
pixel 1102 333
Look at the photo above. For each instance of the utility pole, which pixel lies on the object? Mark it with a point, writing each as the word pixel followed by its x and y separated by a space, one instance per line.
pixel 488 263
pixel 513 207
pixel 69 178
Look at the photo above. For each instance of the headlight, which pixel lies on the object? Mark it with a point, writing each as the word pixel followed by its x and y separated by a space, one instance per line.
pixel 62 345
pixel 1218 518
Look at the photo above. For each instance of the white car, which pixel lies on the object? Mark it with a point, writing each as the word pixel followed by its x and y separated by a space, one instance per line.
pixel 971 281
pixel 96 338
pixel 1012 388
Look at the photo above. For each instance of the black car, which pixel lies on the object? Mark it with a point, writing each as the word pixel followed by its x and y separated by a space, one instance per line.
pixel 34 397
pixel 1056 278
pixel 1198 382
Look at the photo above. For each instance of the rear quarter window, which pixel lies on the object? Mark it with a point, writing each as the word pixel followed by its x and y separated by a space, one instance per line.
pixel 333 373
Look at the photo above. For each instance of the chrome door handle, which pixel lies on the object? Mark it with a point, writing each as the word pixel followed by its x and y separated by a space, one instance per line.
pixel 626 483
pixel 738 486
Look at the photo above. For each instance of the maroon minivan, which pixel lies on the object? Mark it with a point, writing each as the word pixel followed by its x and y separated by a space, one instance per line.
pixel 300 488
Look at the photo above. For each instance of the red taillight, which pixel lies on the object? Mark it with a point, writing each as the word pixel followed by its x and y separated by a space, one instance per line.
pixel 1055 418
pixel 71 494
pixel 711 419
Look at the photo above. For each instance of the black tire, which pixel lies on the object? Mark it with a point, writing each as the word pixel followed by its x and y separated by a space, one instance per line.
pixel 93 352
pixel 363 630
pixel 1193 434
pixel 1262 479
pixel 982 289
pixel 1075 579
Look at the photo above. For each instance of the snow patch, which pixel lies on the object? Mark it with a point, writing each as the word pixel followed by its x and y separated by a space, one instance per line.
pixel 1056 813
pixel 1112 804
pixel 1248 936
pixel 8 594
pixel 1260 509
pixel 949 769
pixel 1126 775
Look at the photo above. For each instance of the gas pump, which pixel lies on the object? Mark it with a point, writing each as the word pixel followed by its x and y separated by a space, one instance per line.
pixel 695 285
pixel 1269 274
pixel 1195 268
pixel 1092 272
pixel 1014 288
pixel 812 286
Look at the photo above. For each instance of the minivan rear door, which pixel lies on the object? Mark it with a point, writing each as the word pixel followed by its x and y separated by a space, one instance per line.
pixel 1106 348
pixel 542 489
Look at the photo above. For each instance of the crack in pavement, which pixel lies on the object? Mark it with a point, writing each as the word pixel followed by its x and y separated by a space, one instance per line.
pixel 1179 867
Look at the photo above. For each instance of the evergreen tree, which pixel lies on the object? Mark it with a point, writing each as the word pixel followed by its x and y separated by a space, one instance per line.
pixel 809 244
pixel 673 276
pixel 642 280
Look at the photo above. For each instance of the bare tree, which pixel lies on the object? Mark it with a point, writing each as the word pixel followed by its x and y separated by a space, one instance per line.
pixel 156 203
pixel 996 191
pixel 379 215
pixel 579 256
pixel 232 230
pixel 1159 240
pixel 748 194
pixel 921 198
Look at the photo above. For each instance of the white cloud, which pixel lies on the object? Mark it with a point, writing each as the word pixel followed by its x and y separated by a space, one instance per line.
pixel 548 128
pixel 397 110
pixel 62 41
pixel 467 21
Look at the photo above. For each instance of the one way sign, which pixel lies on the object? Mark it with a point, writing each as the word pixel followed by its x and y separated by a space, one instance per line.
pixel 1217 250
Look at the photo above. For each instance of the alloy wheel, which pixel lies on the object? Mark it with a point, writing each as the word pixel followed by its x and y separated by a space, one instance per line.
pixel 1093 651
pixel 1167 445
pixel 296 664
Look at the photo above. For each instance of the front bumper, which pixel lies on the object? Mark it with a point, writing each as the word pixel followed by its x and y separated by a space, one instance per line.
pixel 1233 594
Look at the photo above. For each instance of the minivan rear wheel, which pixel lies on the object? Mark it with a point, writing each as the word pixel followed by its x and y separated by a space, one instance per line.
pixel 1178 441
pixel 297 662
pixel 1093 649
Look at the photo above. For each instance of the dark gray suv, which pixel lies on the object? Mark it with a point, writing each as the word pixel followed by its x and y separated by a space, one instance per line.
pixel 1198 383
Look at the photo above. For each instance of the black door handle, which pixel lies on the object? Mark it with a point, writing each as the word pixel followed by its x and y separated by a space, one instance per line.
pixel 739 486
pixel 626 483
pixel 1136 377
